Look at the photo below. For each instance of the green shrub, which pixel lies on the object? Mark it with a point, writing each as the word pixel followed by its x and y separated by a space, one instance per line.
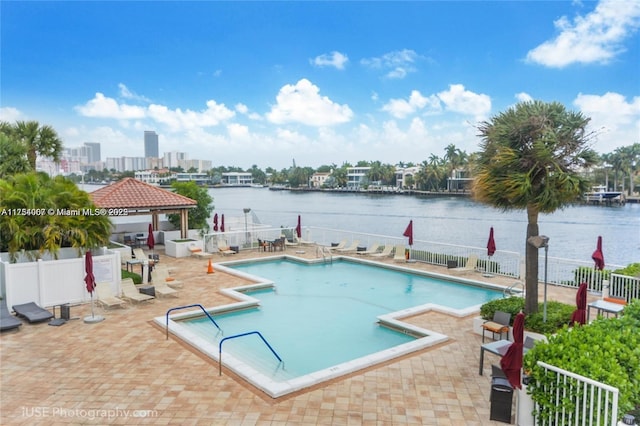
pixel 137 279
pixel 558 314
pixel 632 270
pixel 606 350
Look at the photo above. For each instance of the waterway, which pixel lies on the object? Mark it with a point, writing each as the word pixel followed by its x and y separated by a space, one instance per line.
pixel 572 231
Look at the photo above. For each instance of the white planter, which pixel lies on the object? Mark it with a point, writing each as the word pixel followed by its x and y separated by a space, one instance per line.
pixel 181 248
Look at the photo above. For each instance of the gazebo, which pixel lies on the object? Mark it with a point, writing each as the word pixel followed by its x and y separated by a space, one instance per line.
pixel 140 198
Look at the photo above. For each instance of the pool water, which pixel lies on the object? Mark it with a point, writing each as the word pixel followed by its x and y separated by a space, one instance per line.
pixel 325 314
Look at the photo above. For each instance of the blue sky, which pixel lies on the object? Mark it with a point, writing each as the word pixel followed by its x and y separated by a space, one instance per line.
pixel 244 83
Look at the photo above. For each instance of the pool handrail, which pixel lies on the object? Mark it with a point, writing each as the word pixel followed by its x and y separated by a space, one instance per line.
pixel 190 306
pixel 241 335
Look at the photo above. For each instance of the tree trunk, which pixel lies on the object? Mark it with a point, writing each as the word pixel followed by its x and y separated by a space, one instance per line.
pixel 531 263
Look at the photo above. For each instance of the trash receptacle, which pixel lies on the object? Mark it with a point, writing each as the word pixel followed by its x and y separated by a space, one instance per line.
pixel 65 311
pixel 501 398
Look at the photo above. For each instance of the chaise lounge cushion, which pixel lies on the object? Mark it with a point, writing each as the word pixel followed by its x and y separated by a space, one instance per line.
pixel 32 312
pixel 7 321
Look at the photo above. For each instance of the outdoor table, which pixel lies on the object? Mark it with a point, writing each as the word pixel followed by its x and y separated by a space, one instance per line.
pixel 134 262
pixel 604 306
pixel 499 347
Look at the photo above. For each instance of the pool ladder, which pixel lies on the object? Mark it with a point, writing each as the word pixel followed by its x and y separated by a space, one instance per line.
pixel 190 306
pixel 510 291
pixel 241 335
pixel 324 252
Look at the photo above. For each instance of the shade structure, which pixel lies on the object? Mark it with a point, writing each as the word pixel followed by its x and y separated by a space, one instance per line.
pixel 580 314
pixel 299 228
pixel 151 242
pixel 511 362
pixel 597 255
pixel 215 222
pixel 89 278
pixel 491 244
pixel 221 223
pixel 409 232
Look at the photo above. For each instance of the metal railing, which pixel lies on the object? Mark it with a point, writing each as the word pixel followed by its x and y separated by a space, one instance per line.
pixel 241 335
pixel 577 400
pixel 190 306
pixel 625 287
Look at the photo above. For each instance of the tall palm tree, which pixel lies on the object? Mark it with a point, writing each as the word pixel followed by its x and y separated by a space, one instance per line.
pixel 13 157
pixel 529 160
pixel 37 139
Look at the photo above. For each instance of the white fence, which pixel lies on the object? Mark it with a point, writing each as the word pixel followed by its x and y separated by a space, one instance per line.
pixel 56 282
pixel 624 287
pixel 577 400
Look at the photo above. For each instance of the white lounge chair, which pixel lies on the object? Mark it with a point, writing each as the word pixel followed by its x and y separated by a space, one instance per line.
pixel 301 241
pixel 161 275
pixel 371 250
pixel 352 247
pixel 106 297
pixel 198 252
pixel 399 254
pixel 386 251
pixel 162 289
pixel 340 245
pixel 224 248
pixel 470 266
pixel 131 293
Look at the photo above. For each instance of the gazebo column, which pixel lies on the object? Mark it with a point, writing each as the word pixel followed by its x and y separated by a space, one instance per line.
pixel 184 223
pixel 154 221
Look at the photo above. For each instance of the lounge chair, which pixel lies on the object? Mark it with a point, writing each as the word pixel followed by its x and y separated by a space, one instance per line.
pixel 32 312
pixel 162 289
pixel 301 241
pixel 140 256
pixel 472 261
pixel 224 248
pixel 7 321
pixel 198 252
pixel 386 251
pixel 340 245
pixel 352 247
pixel 399 254
pixel 106 297
pixel 293 242
pixel 161 274
pixel 371 250
pixel 131 293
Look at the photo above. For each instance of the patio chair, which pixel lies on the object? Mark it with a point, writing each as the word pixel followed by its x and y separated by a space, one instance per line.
pixel 106 297
pixel 278 244
pixel 139 255
pixel 32 312
pixel 352 247
pixel 386 251
pixel 161 274
pixel 198 252
pixel 371 250
pixel 340 245
pixel 224 248
pixel 470 266
pixel 499 324
pixel 399 254
pixel 162 289
pixel 301 241
pixel 262 244
pixel 293 242
pixel 131 293
pixel 7 321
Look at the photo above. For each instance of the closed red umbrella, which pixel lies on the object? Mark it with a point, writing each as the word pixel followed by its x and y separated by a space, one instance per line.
pixel 491 244
pixel 151 242
pixel 511 362
pixel 597 255
pixel 222 223
pixel 89 278
pixel 409 232
pixel 299 228
pixel 215 222
pixel 580 314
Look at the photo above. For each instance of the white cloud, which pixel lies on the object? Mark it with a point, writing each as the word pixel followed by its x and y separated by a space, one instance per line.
pixel 333 59
pixel 242 108
pixel 401 108
pixel 10 114
pixel 523 97
pixel 103 107
pixel 457 99
pixel 302 103
pixel 128 94
pixel 597 37
pixel 616 120
pixel 397 63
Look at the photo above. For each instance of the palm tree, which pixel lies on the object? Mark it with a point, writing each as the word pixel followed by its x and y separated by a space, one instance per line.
pixel 14 157
pixel 530 158
pixel 37 139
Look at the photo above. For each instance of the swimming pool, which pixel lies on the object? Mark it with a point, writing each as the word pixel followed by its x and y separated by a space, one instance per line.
pixel 323 319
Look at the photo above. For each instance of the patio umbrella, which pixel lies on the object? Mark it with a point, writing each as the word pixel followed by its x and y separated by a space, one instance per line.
pixel 151 242
pixel 222 223
pixel 215 222
pixel 299 228
pixel 597 255
pixel 580 314
pixel 89 278
pixel 511 362
pixel 491 244
pixel 409 232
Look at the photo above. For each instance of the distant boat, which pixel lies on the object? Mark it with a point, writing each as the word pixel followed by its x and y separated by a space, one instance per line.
pixel 600 193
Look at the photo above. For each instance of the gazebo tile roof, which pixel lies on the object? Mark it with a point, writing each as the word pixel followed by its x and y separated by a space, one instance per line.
pixel 132 193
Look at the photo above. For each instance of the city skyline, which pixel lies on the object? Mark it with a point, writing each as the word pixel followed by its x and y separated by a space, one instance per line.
pixel 244 83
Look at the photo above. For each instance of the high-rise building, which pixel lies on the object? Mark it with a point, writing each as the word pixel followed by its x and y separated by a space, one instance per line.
pixel 93 153
pixel 151 144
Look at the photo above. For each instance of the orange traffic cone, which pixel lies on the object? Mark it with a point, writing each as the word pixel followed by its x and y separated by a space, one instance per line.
pixel 210 268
